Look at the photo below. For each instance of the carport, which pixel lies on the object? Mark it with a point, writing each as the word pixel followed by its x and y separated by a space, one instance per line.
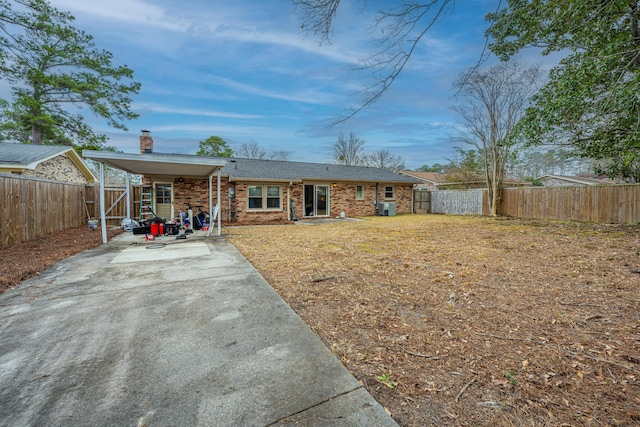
pixel 154 164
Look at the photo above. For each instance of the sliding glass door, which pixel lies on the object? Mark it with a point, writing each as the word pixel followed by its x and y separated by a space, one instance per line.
pixel 316 200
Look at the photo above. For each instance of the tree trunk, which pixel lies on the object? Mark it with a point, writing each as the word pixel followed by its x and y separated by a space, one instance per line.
pixel 633 17
pixel 494 193
pixel 36 134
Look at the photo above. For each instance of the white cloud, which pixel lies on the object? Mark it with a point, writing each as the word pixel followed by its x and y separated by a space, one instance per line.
pixel 130 11
pixel 165 109
pixel 309 96
pixel 289 40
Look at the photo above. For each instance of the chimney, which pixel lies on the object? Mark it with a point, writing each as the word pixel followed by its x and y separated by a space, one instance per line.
pixel 146 142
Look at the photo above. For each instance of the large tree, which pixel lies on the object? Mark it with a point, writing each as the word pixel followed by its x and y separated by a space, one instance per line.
pixel 251 150
pixel 55 69
pixel 491 102
pixel 385 160
pixel 214 146
pixel 436 167
pixel 466 168
pixel 402 23
pixel 348 150
pixel 590 102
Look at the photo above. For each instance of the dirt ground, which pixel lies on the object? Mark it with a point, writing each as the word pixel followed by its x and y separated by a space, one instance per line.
pixel 452 321
pixel 470 321
pixel 27 259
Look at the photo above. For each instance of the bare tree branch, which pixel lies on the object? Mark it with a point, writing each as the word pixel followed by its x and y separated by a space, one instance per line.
pixel 403 26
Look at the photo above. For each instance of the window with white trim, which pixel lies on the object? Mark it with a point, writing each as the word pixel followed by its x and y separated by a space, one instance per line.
pixel 389 192
pixel 359 192
pixel 263 197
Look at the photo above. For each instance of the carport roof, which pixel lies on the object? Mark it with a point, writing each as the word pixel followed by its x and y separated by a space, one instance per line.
pixel 158 164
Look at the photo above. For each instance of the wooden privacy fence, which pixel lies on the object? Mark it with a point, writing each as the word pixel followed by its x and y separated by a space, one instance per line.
pixel 605 204
pixel 421 201
pixel 33 207
pixel 457 202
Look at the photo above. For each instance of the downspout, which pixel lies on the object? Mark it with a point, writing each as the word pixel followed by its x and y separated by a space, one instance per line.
pixel 103 215
pixel 377 191
pixel 413 206
pixel 289 203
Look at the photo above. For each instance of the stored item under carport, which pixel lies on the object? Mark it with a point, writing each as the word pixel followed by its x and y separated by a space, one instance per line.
pixel 143 229
pixel 171 229
pixel 157 226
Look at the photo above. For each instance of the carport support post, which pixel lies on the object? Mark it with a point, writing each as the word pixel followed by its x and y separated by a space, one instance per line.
pixel 128 195
pixel 213 211
pixel 219 206
pixel 103 219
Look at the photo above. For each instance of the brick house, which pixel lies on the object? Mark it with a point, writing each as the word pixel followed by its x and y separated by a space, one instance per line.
pixel 260 191
pixel 54 162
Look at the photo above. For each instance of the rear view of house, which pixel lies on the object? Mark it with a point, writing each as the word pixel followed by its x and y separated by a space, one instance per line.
pixel 259 191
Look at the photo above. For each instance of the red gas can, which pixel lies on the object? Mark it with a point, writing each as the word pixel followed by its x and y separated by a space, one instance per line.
pixel 161 228
pixel 154 228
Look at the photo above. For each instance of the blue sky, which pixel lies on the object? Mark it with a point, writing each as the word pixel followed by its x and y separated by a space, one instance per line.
pixel 245 71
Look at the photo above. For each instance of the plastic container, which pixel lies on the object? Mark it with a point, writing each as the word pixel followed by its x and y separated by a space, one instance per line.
pixel 93 224
pixel 155 228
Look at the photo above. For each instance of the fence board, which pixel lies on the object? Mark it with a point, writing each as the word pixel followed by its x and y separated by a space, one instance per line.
pixel 421 202
pixel 457 202
pixel 607 204
pixel 34 207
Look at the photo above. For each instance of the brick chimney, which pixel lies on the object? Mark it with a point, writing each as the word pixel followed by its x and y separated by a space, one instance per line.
pixel 146 142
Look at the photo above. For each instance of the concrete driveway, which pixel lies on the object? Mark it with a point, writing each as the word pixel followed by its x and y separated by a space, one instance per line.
pixel 183 333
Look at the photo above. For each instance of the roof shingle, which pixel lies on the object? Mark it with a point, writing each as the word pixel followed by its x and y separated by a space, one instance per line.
pixel 247 169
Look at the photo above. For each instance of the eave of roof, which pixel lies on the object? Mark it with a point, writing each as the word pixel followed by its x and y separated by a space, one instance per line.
pixel 577 179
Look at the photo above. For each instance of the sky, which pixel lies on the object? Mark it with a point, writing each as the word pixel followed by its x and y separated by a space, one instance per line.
pixel 246 71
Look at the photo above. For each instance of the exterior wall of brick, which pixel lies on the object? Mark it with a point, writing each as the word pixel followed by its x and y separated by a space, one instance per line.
pixel 146 143
pixel 244 215
pixel 403 198
pixel 60 168
pixel 430 186
pixel 342 198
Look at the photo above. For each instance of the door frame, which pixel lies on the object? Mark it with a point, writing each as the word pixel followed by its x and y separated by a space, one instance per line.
pixel 314 207
pixel 155 198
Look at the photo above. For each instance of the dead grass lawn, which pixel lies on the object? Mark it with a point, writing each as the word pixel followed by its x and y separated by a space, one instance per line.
pixel 469 321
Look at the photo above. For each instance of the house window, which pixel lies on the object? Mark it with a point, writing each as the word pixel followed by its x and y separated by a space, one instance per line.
pixel 359 192
pixel 263 197
pixel 255 197
pixel 388 192
pixel 273 197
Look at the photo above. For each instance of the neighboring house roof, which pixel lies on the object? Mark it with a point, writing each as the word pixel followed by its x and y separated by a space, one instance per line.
pixel 280 170
pixel 454 181
pixel 18 157
pixel 577 180
pixel 430 177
